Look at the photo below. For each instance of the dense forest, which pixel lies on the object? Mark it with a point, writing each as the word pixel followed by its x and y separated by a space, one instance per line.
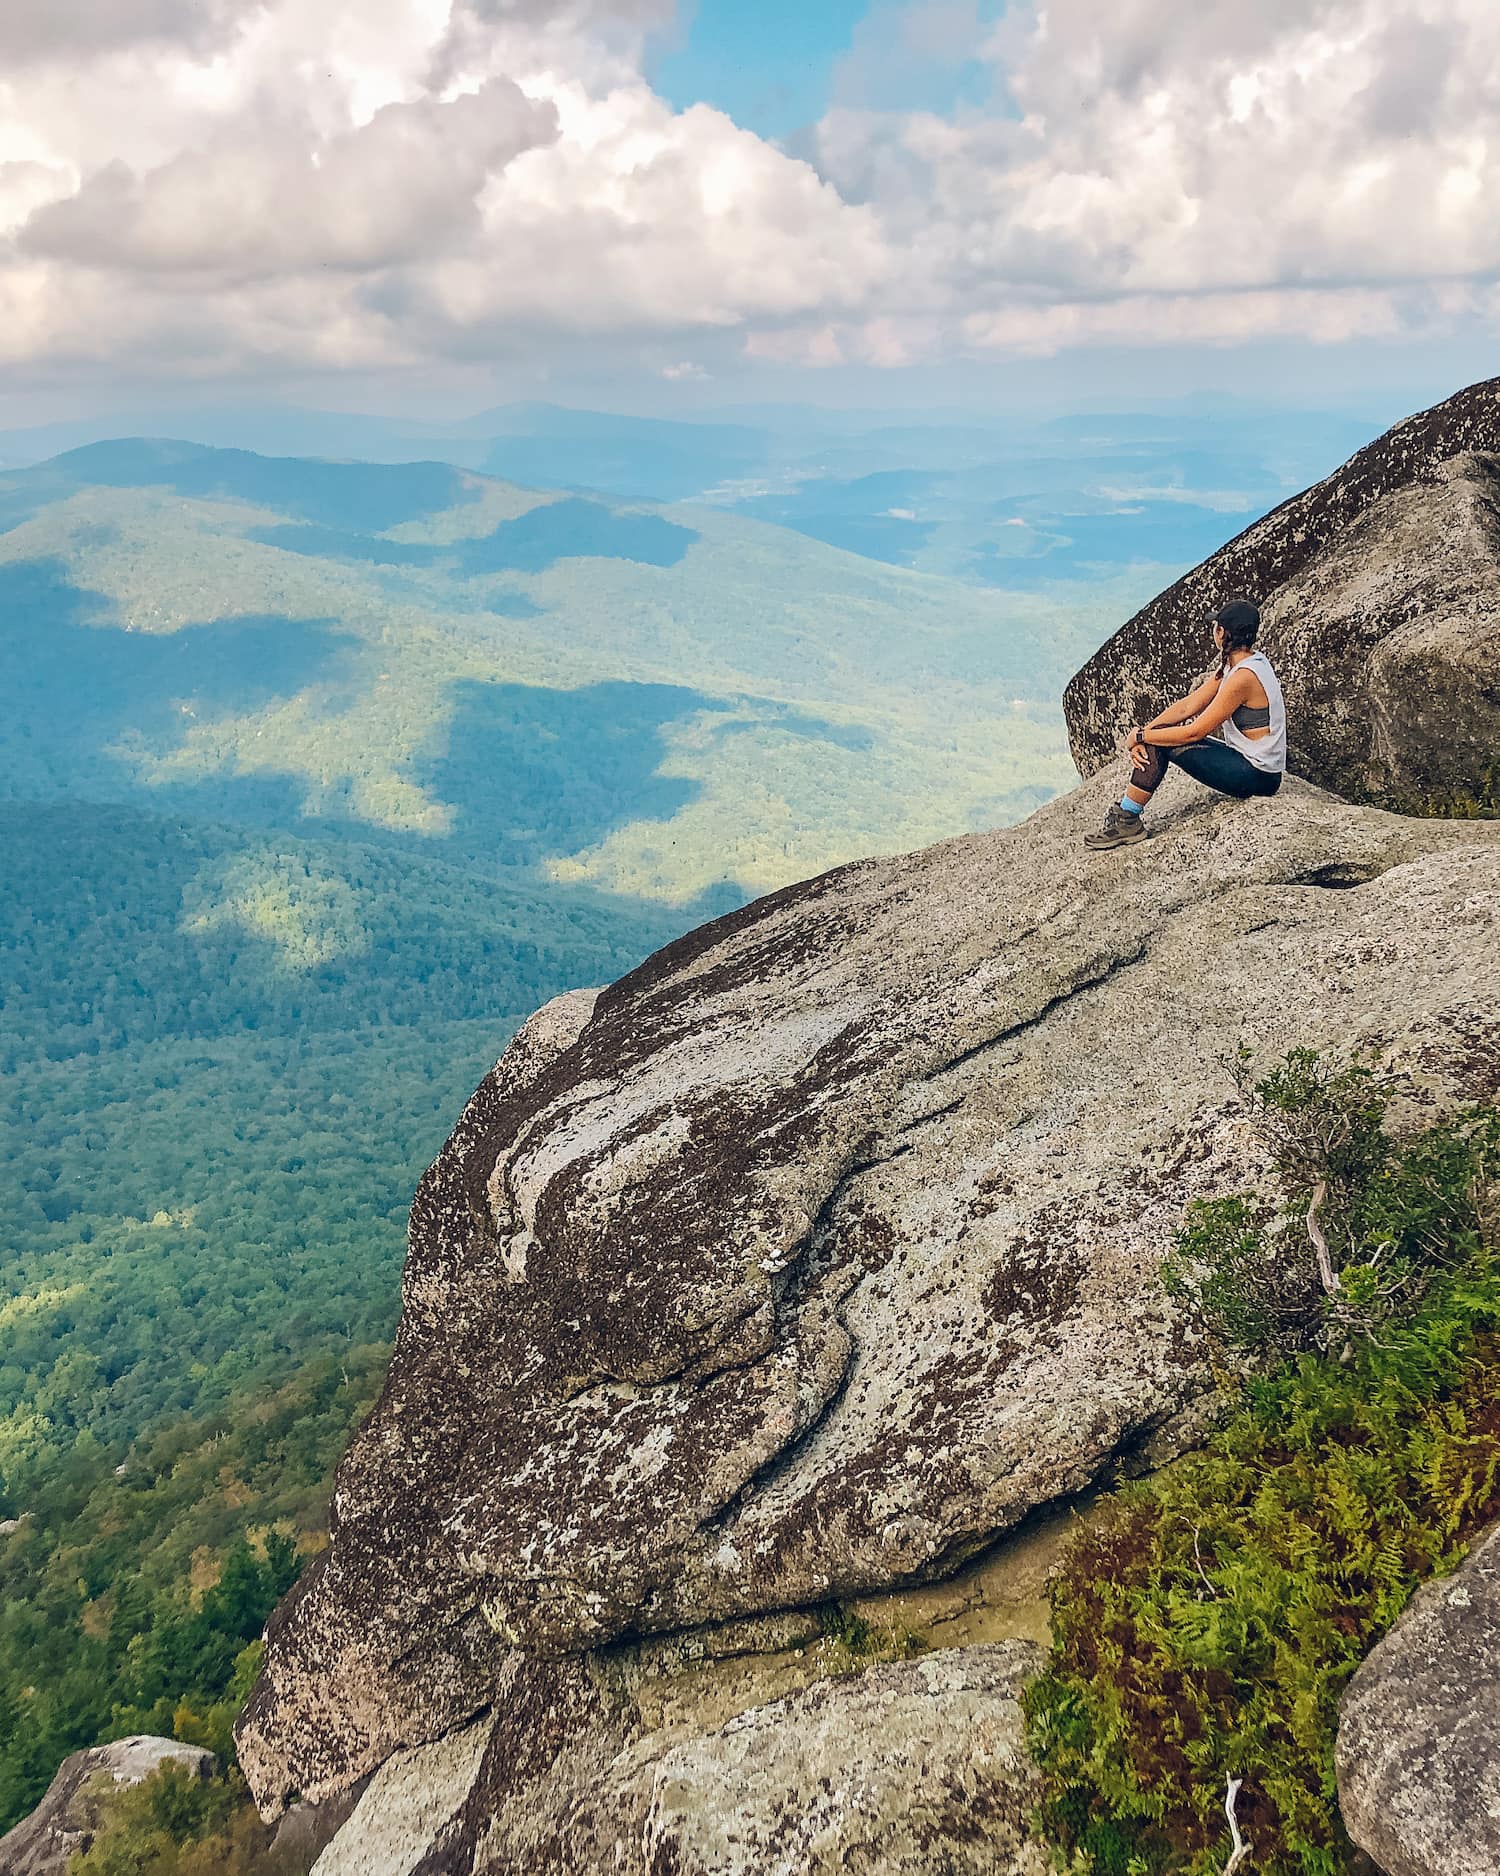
pixel 318 778
pixel 225 1057
pixel 133 1592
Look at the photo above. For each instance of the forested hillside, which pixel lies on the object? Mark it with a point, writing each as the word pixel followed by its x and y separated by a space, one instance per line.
pixel 656 701
pixel 317 778
pixel 1020 501
pixel 225 1057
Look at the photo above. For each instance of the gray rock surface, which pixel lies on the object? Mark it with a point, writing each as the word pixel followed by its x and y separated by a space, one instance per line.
pixel 408 1805
pixel 915 1769
pixel 304 1831
pixel 1418 1748
pixel 67 1818
pixel 1380 597
pixel 903 1767
pixel 822 1248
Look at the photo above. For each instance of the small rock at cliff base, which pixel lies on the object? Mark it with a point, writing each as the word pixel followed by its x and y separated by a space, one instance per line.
pixel 913 1769
pixel 1379 591
pixel 1418 1748
pixel 65 1821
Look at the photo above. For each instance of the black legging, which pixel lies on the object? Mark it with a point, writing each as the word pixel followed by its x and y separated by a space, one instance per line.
pixel 1214 764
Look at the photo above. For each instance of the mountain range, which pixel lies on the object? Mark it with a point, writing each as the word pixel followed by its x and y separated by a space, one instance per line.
pixel 318 776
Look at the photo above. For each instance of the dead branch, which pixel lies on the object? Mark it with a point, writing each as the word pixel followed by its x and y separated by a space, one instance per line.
pixel 1198 1566
pixel 1326 1271
pixel 1241 1845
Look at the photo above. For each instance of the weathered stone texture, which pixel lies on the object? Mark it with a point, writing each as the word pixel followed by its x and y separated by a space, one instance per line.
pixel 916 1769
pixel 1419 1731
pixel 1380 597
pixel 823 1247
pixel 910 1768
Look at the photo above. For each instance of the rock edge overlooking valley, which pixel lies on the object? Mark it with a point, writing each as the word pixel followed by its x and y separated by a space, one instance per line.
pixel 815 1256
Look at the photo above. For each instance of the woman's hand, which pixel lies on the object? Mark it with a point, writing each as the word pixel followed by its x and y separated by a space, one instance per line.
pixel 1136 749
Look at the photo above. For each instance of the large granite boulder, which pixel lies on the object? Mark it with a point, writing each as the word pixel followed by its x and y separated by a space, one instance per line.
pixel 616 1762
pixel 1380 598
pixel 1419 1731
pixel 69 1815
pixel 914 1768
pixel 822 1248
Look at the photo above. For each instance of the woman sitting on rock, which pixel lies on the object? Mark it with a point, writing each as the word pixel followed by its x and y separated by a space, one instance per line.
pixel 1242 699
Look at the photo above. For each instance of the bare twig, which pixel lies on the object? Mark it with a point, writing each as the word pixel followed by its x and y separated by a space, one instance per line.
pixel 1326 1271
pixel 1241 1845
pixel 1198 1566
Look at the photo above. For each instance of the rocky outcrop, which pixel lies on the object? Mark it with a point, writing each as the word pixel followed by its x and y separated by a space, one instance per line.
pixel 912 1766
pixel 561 1773
pixel 1380 597
pixel 821 1249
pixel 65 1821
pixel 1419 1731
pixel 304 1830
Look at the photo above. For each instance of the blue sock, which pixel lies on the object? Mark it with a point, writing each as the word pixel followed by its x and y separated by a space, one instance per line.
pixel 1132 807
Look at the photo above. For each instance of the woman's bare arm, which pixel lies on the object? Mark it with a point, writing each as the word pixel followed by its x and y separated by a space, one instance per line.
pixel 1219 707
pixel 1186 708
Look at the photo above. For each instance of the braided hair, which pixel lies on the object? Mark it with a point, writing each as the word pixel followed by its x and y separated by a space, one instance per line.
pixel 1240 623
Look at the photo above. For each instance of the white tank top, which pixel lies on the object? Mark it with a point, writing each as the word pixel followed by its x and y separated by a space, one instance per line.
pixel 1268 751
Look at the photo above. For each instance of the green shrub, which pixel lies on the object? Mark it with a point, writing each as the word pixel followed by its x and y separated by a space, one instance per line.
pixel 1207 1621
pixel 1253 1291
pixel 1363 1224
pixel 175 1824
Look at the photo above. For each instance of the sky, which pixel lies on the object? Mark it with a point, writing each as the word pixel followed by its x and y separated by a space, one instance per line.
pixel 770 67
pixel 439 203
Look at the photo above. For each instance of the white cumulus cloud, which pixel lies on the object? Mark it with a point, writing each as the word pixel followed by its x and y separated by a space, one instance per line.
pixel 237 186
pixel 319 184
pixel 1156 171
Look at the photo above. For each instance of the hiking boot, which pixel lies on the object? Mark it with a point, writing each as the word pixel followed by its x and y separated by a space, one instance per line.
pixel 1121 829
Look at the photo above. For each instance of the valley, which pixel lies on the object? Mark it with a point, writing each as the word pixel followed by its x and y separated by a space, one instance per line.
pixel 318 778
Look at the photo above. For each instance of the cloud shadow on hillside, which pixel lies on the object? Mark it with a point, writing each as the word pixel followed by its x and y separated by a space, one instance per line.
pixel 73 683
pixel 574 528
pixel 533 773
pixel 530 773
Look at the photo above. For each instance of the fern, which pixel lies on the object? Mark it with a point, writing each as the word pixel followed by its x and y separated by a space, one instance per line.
pixel 1208 1621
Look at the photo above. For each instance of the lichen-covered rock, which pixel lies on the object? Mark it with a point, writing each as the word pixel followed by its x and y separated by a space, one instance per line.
pixel 593 1768
pixel 1419 1731
pixel 305 1830
pixel 1380 597
pixel 65 1821
pixel 409 1806
pixel 822 1248
pixel 916 1769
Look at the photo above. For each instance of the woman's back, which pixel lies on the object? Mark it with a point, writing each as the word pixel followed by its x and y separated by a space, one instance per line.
pixel 1267 751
